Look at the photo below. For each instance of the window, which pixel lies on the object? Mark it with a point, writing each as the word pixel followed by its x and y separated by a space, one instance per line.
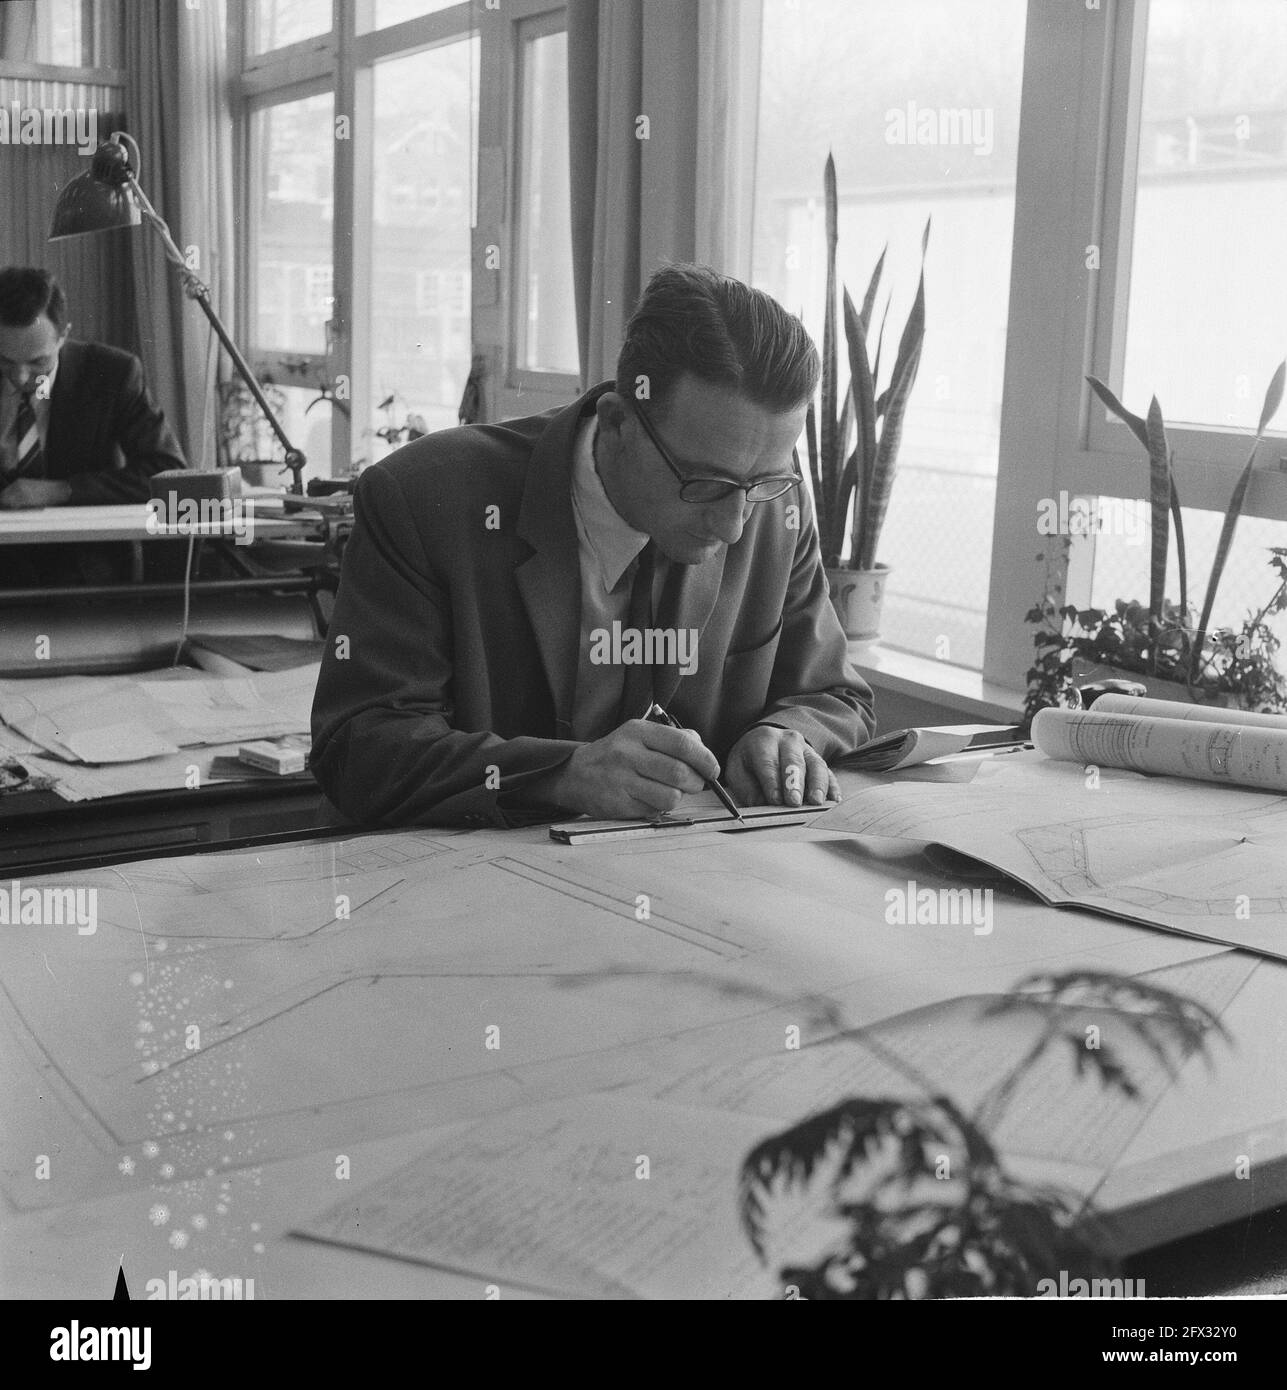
pixel 361 125
pixel 1121 567
pixel 291 213
pixel 1123 166
pixel 919 103
pixel 426 107
pixel 279 23
pixel 1193 295
pixel 1102 247
pixel 544 318
pixel 61 33
pixel 387 12
pixel 1205 325
pixel 1127 174
pixel 318 296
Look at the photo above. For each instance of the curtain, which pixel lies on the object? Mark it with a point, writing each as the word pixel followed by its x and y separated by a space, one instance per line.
pixel 18 33
pixel 728 93
pixel 151 45
pixel 92 270
pixel 689 70
pixel 605 93
pixel 176 97
pixel 206 214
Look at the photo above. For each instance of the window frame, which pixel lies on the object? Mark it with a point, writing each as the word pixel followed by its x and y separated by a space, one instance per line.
pixel 1073 193
pixel 1079 124
pixel 341 62
pixel 1075 178
pixel 507 390
pixel 526 380
pixel 281 364
pixel 99 17
pixel 1203 453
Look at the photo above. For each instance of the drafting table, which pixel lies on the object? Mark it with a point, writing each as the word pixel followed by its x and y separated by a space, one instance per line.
pixel 284 556
pixel 195 798
pixel 42 833
pixel 125 521
pixel 343 988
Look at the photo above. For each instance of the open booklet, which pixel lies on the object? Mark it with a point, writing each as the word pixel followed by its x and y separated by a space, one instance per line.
pixel 910 747
pixel 1214 745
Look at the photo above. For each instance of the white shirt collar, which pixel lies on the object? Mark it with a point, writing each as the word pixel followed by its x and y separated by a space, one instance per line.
pixel 13 393
pixel 606 537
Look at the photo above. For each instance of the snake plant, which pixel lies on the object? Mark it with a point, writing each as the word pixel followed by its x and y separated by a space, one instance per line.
pixel 1151 432
pixel 853 441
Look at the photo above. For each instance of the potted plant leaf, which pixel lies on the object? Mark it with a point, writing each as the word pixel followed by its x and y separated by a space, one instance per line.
pixel 912 1192
pixel 1175 656
pixel 853 438
pixel 246 440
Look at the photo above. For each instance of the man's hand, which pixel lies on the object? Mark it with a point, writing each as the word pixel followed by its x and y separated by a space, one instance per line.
pixel 35 492
pixel 638 770
pixel 776 767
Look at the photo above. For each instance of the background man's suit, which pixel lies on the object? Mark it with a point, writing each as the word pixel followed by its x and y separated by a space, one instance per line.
pixel 106 436
pixel 105 439
pixel 454 647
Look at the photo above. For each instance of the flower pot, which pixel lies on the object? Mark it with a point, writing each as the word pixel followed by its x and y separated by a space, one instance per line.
pixel 857 597
pixel 1156 687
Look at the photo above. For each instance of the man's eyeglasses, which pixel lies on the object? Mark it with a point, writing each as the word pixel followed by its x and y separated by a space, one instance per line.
pixel 716 489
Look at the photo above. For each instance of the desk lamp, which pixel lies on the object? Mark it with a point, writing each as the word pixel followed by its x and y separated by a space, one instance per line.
pixel 109 196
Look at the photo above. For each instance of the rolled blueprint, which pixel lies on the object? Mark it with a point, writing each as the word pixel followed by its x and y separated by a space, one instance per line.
pixel 1166 709
pixel 1213 745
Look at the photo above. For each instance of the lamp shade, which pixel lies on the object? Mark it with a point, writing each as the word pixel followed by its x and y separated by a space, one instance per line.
pixel 98 200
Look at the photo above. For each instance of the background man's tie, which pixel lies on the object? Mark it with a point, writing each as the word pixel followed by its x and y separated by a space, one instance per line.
pixel 29 459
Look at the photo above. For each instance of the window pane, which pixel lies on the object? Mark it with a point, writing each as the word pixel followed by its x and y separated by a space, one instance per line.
pixel 426 110
pixel 253 446
pixel 1208 293
pixel 545 318
pixel 292 153
pixel 919 102
pixel 276 23
pixel 52 31
pixel 1121 567
pixel 388 12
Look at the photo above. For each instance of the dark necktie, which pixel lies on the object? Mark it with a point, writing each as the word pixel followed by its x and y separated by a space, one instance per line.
pixel 29 461
pixel 636 696
pixel 642 679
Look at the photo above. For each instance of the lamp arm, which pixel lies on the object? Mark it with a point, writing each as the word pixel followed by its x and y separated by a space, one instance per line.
pixel 196 289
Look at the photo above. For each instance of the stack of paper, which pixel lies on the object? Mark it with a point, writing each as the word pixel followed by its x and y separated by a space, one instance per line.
pixel 117 719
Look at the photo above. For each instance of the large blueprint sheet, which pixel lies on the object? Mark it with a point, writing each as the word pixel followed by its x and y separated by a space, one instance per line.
pixel 237 1008
pixel 1208 861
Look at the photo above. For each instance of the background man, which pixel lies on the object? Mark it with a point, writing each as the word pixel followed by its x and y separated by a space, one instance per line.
pixel 77 425
pixel 474 672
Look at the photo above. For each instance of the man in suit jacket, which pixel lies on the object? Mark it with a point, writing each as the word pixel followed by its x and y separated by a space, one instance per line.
pixel 90 432
pixel 77 428
pixel 492 650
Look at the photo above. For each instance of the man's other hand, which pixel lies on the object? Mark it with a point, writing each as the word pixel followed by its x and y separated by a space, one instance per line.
pixel 638 770
pixel 35 492
pixel 776 767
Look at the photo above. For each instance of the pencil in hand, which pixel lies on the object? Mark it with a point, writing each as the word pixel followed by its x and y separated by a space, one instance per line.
pixel 656 715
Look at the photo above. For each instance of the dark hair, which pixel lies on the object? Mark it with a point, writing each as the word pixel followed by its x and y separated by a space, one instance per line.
pixel 692 319
pixel 27 292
